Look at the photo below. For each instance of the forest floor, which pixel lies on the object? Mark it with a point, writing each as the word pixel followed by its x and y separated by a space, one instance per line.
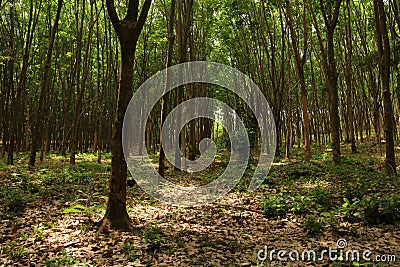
pixel 50 216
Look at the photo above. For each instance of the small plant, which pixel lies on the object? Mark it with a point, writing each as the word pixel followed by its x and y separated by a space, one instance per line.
pixel 313 225
pixel 38 231
pixel 13 250
pixel 152 237
pixel 356 189
pixel 274 205
pixel 382 210
pixel 301 204
pixel 128 247
pixel 14 199
pixel 321 197
pixel 352 209
pixel 86 210
pixel 64 260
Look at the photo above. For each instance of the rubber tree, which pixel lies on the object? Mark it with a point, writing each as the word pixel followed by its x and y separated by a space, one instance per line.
pixel 128 30
pixel 383 43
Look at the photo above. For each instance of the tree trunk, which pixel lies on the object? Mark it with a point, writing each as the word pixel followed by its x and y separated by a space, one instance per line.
pixel 348 77
pixel 38 127
pixel 128 31
pixel 164 110
pixel 384 70
pixel 300 61
pixel 330 13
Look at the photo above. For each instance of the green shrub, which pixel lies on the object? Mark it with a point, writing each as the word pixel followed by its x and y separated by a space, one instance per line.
pixel 152 237
pixel 312 224
pixel 63 260
pixel 382 210
pixel 356 189
pixel 274 205
pixel 14 199
pixel 301 204
pixel 352 209
pixel 321 197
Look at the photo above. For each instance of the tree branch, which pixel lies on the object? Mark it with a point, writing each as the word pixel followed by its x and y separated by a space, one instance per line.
pixel 336 13
pixel 112 13
pixel 321 3
pixel 133 10
pixel 321 44
pixel 143 14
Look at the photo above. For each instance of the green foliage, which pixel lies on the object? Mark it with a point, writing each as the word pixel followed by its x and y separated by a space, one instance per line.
pixel 152 237
pixel 127 249
pixel 70 174
pixel 13 250
pixel 63 260
pixel 356 189
pixel 321 197
pixel 351 209
pixel 382 210
pixel 279 204
pixel 274 205
pixel 15 199
pixel 312 224
pixel 301 204
pixel 85 210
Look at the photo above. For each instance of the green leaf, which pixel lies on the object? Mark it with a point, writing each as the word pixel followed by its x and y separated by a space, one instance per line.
pixel 77 209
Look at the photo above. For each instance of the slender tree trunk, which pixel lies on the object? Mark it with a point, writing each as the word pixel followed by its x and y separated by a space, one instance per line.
pixel 38 127
pixel 164 110
pixel 330 12
pixel 128 31
pixel 10 77
pixel 300 61
pixel 348 77
pixel 384 70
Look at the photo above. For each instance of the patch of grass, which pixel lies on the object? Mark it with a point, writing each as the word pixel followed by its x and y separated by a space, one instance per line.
pixel 63 260
pixel 152 237
pixel 382 210
pixel 14 199
pixel 274 205
pixel 312 224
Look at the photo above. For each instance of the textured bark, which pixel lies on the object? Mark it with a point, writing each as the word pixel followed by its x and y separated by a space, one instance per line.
pixel 164 110
pixel 300 60
pixel 38 127
pixel 128 31
pixel 384 70
pixel 330 12
pixel 349 82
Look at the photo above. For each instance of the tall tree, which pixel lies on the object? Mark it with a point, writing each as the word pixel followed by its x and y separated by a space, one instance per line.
pixel 300 60
pixel 349 79
pixel 330 13
pixel 382 38
pixel 164 110
pixel 128 31
pixel 38 127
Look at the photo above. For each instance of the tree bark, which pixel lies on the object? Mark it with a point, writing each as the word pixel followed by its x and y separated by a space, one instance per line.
pixel 38 127
pixel 349 82
pixel 300 61
pixel 384 70
pixel 164 110
pixel 128 31
pixel 330 17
